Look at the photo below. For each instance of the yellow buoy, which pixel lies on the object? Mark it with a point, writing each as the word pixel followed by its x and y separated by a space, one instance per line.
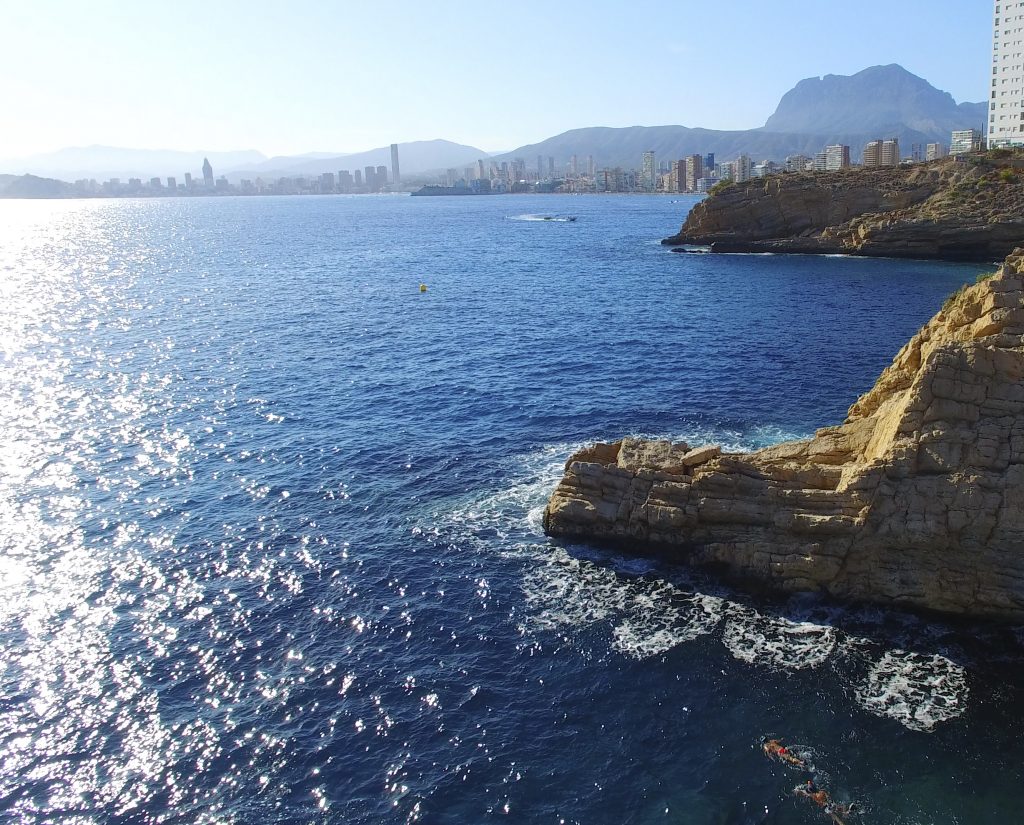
pixel 423 287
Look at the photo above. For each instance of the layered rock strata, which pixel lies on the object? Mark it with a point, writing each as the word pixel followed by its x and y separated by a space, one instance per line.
pixel 917 499
pixel 970 209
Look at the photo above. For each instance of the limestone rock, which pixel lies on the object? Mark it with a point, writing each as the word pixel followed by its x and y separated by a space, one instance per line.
pixel 971 209
pixel 916 499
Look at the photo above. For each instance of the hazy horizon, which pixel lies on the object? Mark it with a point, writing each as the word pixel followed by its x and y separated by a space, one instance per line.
pixel 226 77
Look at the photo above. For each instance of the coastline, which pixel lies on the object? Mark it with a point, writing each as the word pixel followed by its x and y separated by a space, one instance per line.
pixel 914 501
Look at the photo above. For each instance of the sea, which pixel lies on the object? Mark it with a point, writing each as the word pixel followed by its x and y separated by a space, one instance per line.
pixel 270 526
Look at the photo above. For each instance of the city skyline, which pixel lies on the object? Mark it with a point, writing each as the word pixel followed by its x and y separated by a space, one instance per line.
pixel 228 76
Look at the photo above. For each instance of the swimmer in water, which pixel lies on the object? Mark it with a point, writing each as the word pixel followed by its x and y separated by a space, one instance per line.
pixel 821 798
pixel 774 749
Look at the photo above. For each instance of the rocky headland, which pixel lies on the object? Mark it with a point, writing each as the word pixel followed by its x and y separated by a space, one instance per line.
pixel 963 209
pixel 916 499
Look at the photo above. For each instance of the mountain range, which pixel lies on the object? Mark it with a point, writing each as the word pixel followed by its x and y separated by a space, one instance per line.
pixel 878 102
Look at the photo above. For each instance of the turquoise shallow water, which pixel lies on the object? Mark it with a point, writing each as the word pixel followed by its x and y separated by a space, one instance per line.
pixel 269 525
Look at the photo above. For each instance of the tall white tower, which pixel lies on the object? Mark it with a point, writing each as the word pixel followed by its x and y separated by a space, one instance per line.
pixel 396 175
pixel 1006 95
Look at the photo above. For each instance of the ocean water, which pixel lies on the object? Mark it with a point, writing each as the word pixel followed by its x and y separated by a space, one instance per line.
pixel 270 544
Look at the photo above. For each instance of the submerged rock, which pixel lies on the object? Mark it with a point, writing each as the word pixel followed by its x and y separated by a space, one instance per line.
pixel 917 499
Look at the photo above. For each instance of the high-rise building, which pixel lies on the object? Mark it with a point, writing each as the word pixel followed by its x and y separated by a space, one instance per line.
pixel 188 180
pixel 694 172
pixel 679 172
pixel 381 178
pixel 891 152
pixel 590 166
pixel 837 157
pixel 370 178
pixel 647 174
pixel 551 167
pixel 798 163
pixel 207 174
pixel 480 170
pixel 172 184
pixel 345 181
pixel 358 178
pixel 574 166
pixel 873 153
pixel 540 167
pixel 1006 104
pixel 743 169
pixel 965 140
pixel 396 175
pixel 709 162
pixel 327 183
pixel 882 153
pixel 934 151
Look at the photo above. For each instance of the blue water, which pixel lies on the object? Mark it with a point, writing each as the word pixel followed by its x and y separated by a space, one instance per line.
pixel 270 545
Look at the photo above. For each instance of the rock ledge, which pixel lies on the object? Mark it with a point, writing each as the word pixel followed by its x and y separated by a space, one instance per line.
pixel 917 499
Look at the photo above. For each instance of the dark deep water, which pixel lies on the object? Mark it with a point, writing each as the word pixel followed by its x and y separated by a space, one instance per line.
pixel 269 525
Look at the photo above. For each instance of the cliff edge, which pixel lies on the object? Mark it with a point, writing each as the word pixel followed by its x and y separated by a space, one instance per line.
pixel 966 209
pixel 917 499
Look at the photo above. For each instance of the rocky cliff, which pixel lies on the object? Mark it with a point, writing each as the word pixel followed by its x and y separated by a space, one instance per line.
pixel 917 499
pixel 970 209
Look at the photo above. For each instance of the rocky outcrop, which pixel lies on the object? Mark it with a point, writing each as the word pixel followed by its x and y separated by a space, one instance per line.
pixel 917 499
pixel 967 209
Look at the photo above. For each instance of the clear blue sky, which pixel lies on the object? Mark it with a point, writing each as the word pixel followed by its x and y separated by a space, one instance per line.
pixel 314 75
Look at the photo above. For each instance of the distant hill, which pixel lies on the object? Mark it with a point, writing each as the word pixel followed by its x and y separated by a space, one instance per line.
pixel 879 102
pixel 103 162
pixel 414 158
pixel 30 186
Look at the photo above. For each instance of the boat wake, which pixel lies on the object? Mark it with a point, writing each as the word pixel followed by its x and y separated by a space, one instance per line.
pixel 544 218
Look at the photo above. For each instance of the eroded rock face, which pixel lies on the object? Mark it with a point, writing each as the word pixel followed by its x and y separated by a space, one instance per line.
pixel 916 499
pixel 948 209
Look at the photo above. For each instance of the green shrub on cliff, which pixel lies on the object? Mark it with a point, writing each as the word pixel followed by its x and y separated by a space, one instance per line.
pixel 721 186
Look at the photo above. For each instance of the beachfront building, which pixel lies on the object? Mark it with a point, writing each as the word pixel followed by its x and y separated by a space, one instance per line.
pixel 1006 101
pixel 648 173
pixel 694 172
pixel 934 151
pixel 965 140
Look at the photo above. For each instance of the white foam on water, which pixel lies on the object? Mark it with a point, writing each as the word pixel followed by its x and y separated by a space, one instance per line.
pixel 917 690
pixel 648 615
pixel 566 592
pixel 776 642
pixel 664 618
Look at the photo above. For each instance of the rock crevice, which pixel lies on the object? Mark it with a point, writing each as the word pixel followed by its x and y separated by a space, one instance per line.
pixel 916 499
